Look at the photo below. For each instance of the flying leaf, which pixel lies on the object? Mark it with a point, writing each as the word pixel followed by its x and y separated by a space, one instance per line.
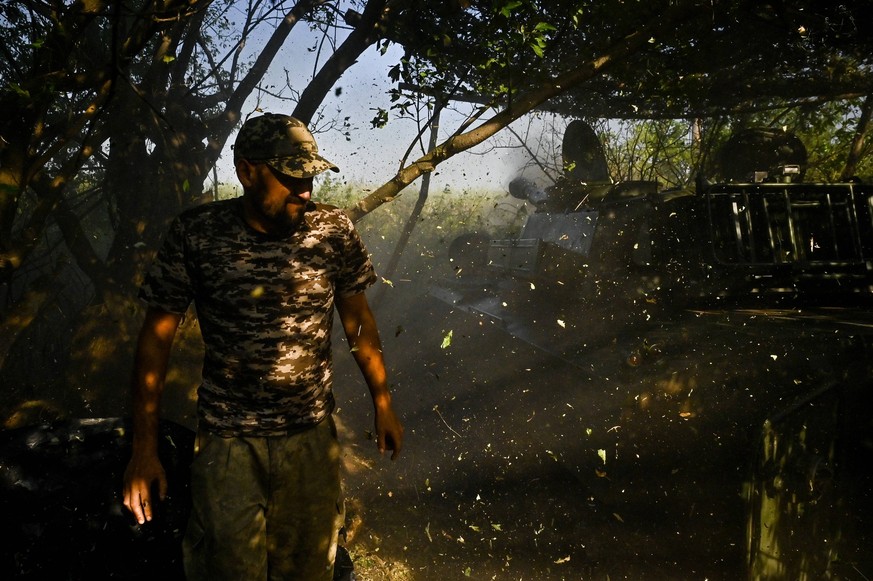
pixel 602 454
pixel 447 341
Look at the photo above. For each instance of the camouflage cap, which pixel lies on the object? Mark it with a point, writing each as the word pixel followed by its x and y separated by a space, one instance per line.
pixel 282 142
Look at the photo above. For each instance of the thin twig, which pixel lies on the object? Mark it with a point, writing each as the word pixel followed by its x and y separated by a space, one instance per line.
pixel 437 410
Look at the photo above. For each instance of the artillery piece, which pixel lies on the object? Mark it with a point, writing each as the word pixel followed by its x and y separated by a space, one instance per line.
pixel 756 230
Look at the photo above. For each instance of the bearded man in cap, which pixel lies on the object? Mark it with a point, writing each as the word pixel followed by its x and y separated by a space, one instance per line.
pixel 265 272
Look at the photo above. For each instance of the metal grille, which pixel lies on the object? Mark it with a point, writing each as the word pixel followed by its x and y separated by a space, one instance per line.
pixel 791 224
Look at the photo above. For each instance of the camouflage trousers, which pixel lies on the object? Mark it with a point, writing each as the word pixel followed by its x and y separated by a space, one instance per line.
pixel 265 509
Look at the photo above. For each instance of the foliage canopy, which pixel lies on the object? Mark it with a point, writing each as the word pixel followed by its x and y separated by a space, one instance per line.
pixel 701 59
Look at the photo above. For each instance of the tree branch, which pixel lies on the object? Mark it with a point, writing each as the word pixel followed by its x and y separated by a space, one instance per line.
pixel 515 109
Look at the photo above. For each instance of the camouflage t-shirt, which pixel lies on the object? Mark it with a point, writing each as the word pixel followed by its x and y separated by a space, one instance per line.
pixel 265 306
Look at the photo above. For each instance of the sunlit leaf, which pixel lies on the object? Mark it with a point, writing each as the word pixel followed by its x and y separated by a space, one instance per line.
pixel 447 340
pixel 602 454
pixel 506 9
pixel 388 282
pixel 563 560
pixel 19 90
pixel 497 527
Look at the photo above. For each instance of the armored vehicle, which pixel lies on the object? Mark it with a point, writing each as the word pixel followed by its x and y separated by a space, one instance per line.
pixel 756 230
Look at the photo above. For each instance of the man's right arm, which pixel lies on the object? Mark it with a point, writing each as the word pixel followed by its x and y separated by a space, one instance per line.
pixel 150 370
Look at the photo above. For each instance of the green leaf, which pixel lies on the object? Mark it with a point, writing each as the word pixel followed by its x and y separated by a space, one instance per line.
pixel 447 341
pixel 380 120
pixel 544 26
pixel 507 9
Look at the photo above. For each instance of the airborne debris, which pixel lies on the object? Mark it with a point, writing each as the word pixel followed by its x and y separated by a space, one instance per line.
pixel 447 340
pixel 601 453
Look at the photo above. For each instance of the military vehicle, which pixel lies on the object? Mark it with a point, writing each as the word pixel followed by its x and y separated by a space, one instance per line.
pixel 753 256
pixel 756 230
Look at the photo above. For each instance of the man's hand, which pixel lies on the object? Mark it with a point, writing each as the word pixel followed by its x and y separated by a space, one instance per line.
pixel 389 432
pixel 150 368
pixel 366 347
pixel 141 474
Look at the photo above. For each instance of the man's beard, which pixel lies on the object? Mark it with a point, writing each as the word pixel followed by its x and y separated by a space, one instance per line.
pixel 291 214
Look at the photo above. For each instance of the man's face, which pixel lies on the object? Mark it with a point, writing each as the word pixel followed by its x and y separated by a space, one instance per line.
pixel 275 203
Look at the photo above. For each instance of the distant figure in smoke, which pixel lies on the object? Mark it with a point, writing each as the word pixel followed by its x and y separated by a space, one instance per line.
pixel 265 272
pixel 585 177
pixel 583 156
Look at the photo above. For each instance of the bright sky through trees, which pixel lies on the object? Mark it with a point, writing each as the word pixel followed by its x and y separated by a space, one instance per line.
pixel 372 155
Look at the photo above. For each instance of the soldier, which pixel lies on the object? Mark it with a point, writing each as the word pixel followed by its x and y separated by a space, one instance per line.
pixel 265 272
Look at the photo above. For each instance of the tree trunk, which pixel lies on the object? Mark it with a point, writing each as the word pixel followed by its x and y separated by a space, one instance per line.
pixel 856 151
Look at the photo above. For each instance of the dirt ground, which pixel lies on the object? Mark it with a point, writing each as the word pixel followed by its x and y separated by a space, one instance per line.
pixel 610 448
pixel 576 443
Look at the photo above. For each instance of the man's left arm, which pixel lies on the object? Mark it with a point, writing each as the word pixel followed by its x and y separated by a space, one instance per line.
pixel 359 325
